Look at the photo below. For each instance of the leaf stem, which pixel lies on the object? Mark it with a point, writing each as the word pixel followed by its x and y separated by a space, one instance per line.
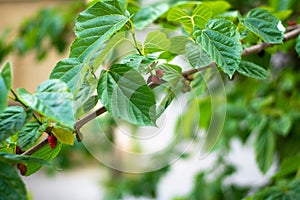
pixel 134 38
pixel 17 99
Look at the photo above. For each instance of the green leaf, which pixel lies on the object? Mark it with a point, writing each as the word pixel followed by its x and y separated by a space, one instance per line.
pixel 252 70
pixel 87 106
pixel 166 55
pixel 5 84
pixel 288 166
pixel 283 125
pixel 11 121
pixel 149 14
pixel 172 73
pixel 95 26
pixel 52 99
pixel 221 41
pixel 200 16
pixel 283 15
pixel 78 78
pixel 133 61
pixel 64 135
pixel 264 150
pixel 218 7
pixel 283 191
pixel 12 186
pixel 79 74
pixel 178 44
pixel 30 134
pixel 139 62
pixel 44 153
pixel 156 41
pixel 165 102
pixel 265 25
pixel 15 159
pixel 196 56
pixel 108 47
pixel 67 71
pixel 230 15
pixel 124 93
pixel 297 46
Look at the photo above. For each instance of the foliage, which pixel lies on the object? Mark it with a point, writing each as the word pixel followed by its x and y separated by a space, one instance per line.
pixel 265 106
pixel 49 28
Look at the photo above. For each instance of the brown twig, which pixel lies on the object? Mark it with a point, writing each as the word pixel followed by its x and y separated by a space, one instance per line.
pixel 259 47
pixel 36 147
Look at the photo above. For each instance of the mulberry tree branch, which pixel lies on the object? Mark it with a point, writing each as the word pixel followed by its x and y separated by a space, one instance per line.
pixel 251 50
pixel 293 33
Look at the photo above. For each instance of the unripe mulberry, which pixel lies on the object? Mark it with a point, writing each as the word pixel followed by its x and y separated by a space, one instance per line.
pixel 154 79
pixel 52 141
pixel 159 73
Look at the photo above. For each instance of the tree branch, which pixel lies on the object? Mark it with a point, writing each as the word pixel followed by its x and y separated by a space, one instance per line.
pixel 259 47
pixel 36 147
pixel 295 31
pixel 251 50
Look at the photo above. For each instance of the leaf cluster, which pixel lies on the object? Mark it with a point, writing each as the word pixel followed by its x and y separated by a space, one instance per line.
pixel 97 71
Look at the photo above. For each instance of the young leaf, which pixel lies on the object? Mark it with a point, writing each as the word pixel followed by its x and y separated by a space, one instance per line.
pixel 288 166
pixel 218 7
pixel 64 135
pixel 221 41
pixel 252 70
pixel 166 55
pixel 265 25
pixel 29 134
pixel 149 14
pixel 11 121
pixel 52 99
pixel 12 186
pixel 172 73
pixel 5 84
pixel 45 153
pixel 264 150
pixel 133 61
pixel 200 16
pixel 156 41
pixel 124 93
pixel 95 26
pixel 297 47
pixel 178 44
pixel 196 56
